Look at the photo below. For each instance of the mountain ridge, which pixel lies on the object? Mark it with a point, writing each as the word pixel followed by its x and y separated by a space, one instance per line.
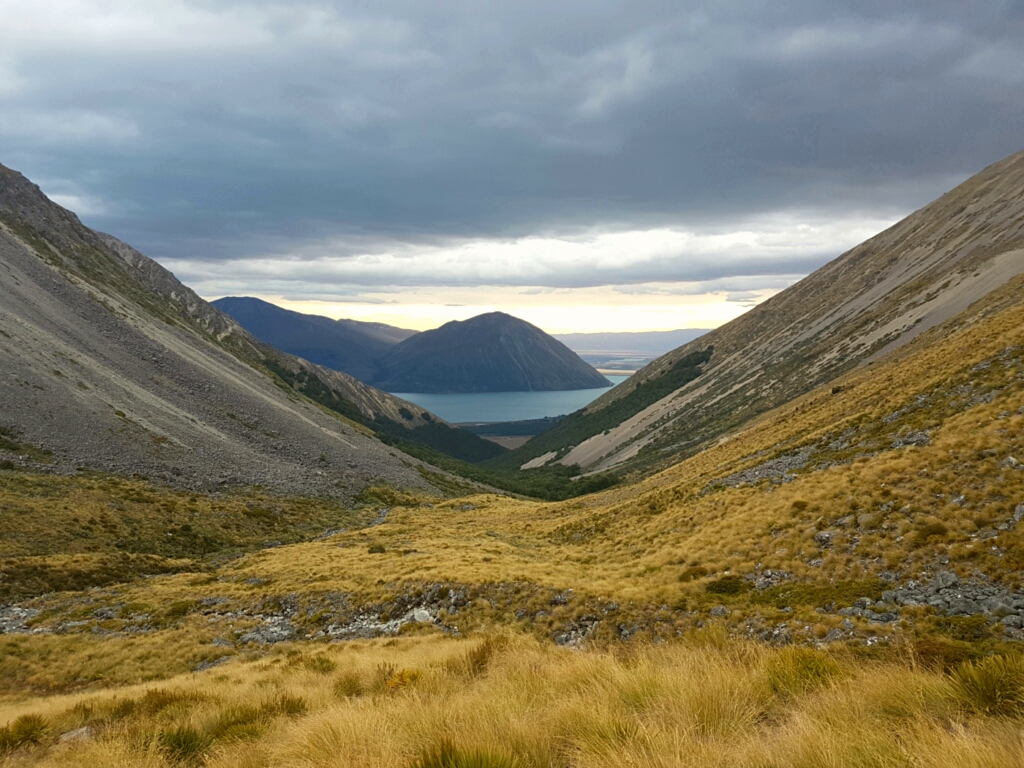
pixel 917 275
pixel 112 364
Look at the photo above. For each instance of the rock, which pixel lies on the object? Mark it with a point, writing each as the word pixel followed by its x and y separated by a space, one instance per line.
pixel 205 665
pixel 889 596
pixel 845 522
pixel 823 539
pixel 422 616
pixel 880 606
pixel 847 625
pixel 962 606
pixel 911 438
pixel 863 602
pixel 945 580
pixel 13 619
pixel 275 630
pixel 998 606
pixel 84 733
pixel 1018 513
pixel 220 642
pixel 1013 620
pixel 719 610
pixel 883 618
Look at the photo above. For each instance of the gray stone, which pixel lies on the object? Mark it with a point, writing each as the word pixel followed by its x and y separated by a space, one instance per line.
pixel 998 606
pixel 865 521
pixel 823 539
pixel 422 616
pixel 863 602
pixel 84 733
pixel 945 580
pixel 962 606
pixel 1018 513
pixel 1013 620
pixel 220 642
pixel 205 665
pixel 847 625
pixel 719 610
pixel 883 618
pixel 275 630
pixel 889 596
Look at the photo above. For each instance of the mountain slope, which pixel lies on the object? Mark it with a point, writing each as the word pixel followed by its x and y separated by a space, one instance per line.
pixel 917 275
pixel 493 352
pixel 349 346
pixel 110 363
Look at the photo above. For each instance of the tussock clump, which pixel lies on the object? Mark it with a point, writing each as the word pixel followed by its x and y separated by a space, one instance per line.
pixel 993 686
pixel 794 671
pixel 27 729
pixel 285 704
pixel 446 755
pixel 185 744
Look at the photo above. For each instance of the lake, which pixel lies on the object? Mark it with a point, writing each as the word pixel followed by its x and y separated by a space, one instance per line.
pixel 506 406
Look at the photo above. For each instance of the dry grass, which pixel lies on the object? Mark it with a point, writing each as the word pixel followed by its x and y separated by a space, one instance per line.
pixel 421 702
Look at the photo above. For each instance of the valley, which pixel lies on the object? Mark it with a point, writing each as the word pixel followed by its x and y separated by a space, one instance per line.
pixel 834 556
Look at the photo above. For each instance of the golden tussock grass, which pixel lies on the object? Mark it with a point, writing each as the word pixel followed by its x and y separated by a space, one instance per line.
pixel 706 702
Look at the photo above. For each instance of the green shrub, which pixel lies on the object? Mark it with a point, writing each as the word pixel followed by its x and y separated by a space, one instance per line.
pixel 446 755
pixel 185 744
pixel 992 686
pixel 793 671
pixel 963 627
pixel 942 654
pixel 727 585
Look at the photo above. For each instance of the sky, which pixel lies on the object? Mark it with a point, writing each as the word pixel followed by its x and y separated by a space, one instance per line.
pixel 588 166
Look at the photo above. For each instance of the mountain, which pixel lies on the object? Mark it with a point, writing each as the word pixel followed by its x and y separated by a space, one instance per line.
pixel 914 278
pixel 494 352
pixel 110 363
pixel 641 342
pixel 626 352
pixel 349 346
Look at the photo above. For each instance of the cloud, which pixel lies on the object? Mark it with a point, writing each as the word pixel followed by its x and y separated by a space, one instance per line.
pixel 310 145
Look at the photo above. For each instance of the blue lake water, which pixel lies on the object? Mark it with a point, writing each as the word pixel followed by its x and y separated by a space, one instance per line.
pixel 506 406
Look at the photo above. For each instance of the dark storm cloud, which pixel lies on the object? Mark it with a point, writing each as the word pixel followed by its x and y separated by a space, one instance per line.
pixel 208 131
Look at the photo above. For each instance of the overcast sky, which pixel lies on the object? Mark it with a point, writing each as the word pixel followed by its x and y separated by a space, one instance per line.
pixel 587 165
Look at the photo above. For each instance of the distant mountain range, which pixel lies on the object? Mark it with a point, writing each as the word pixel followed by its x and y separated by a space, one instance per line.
pixel 494 352
pixel 641 342
pixel 344 345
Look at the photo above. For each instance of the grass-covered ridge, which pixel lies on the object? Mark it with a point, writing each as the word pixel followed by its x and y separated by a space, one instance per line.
pixel 587 422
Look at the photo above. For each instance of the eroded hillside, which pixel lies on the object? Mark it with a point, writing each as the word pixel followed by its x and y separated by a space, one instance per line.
pixel 876 298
